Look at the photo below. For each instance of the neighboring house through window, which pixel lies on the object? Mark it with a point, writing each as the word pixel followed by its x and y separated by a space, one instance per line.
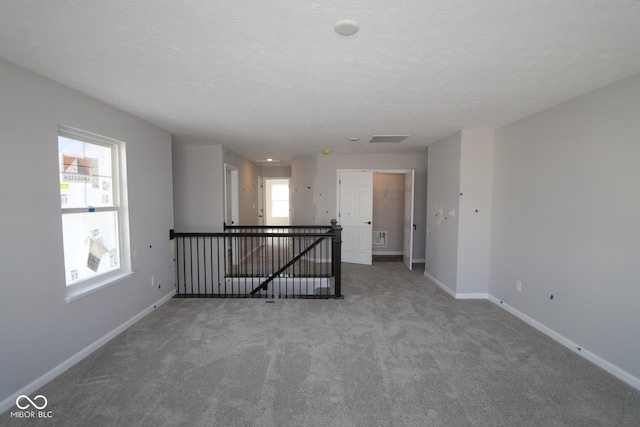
pixel 91 198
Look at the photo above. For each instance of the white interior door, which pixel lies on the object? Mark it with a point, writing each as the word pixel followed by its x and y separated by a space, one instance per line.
pixel 231 211
pixel 407 253
pixel 355 191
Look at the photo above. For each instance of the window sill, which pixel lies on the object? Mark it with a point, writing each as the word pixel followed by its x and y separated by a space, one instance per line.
pixel 74 294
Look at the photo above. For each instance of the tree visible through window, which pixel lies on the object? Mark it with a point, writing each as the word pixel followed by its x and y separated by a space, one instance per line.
pixel 90 203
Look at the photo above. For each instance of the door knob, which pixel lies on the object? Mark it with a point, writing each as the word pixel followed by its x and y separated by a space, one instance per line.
pixel 367 222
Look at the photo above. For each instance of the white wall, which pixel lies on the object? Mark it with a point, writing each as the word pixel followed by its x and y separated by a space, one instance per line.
pixel 566 221
pixel 442 196
pixel 198 176
pixel 39 330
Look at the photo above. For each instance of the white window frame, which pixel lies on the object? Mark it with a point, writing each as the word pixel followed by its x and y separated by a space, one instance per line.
pixel 83 287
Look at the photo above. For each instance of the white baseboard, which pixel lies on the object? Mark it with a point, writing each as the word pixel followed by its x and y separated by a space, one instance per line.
pixel 10 401
pixel 471 296
pixel 375 252
pixel 440 284
pixel 625 376
pixel 456 295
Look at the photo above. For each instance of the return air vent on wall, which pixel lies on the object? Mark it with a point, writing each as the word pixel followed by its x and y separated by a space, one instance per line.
pixel 379 238
pixel 388 138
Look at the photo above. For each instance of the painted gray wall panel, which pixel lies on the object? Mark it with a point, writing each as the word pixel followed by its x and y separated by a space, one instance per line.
pixel 303 191
pixel 565 220
pixel 442 195
pixel 198 173
pixel 474 211
pixel 39 328
pixel 248 173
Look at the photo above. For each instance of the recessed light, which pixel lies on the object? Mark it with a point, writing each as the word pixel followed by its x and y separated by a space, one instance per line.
pixel 354 139
pixel 268 161
pixel 346 27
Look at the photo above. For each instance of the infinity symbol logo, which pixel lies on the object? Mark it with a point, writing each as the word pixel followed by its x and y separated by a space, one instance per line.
pixel 32 402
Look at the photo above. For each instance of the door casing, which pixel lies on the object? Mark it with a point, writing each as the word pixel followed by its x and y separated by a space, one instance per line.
pixel 408 226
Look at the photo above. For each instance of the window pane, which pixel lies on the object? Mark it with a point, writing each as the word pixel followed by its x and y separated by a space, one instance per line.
pixel 91 244
pixel 280 192
pixel 280 208
pixel 85 174
pixel 280 200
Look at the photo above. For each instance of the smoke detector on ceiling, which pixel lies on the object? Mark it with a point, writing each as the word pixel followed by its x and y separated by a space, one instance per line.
pixel 346 27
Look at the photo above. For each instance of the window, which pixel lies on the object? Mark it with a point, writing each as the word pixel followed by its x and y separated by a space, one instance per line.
pixel 91 202
pixel 280 200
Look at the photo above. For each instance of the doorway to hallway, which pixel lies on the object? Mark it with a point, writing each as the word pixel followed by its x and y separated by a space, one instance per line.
pixel 382 228
pixel 276 197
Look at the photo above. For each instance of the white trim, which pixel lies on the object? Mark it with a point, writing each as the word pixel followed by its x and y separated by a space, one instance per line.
pixel 388 252
pixel 10 401
pixel 625 376
pixel 119 206
pixel 440 284
pixel 373 171
pixel 472 296
pixel 75 293
pixel 614 370
pixel 396 171
pixel 455 294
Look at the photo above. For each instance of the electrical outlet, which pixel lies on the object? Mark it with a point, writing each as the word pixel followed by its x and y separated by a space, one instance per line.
pixel 518 286
pixel 153 281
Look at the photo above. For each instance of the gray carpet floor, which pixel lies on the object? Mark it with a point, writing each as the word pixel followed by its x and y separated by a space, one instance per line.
pixel 397 351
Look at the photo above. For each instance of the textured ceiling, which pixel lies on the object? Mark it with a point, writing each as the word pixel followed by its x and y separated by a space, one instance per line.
pixel 273 79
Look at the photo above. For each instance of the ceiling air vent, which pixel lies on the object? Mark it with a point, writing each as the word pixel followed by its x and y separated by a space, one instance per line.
pixel 388 138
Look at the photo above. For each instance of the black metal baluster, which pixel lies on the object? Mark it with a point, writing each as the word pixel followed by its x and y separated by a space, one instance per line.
pixel 224 246
pixel 191 264
pixel 205 263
